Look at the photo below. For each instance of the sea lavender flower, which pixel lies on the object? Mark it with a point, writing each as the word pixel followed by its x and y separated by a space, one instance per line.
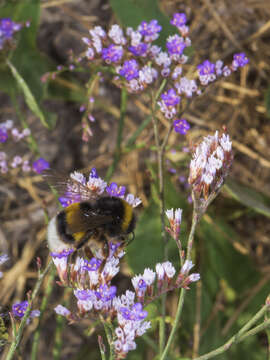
pixel 139 50
pixel 3 135
pixel 175 218
pixel 210 165
pixel 92 265
pixel 114 190
pixel 175 46
pixel 149 30
pixel 7 30
pixel 206 72
pixel 186 87
pixel 60 259
pixel 96 185
pixel 112 54
pixel 132 200
pixel 181 126
pixel 117 35
pixel 170 98
pixel 19 309
pixel 179 20
pixel 40 165
pixel 130 69
pixel 106 293
pixel 239 60
pixel 62 310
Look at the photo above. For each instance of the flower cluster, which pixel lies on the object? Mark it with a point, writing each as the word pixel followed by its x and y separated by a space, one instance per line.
pixel 80 188
pixel 91 281
pixel 208 72
pixel 137 62
pixel 7 30
pixel 19 309
pixel 3 259
pixel 210 164
pixel 8 132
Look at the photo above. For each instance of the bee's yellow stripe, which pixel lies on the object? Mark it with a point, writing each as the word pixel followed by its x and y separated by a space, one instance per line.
pixel 73 217
pixel 78 235
pixel 71 212
pixel 127 216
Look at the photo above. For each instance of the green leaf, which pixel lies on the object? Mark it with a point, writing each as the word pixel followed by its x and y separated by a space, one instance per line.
pixel 133 12
pixel 147 248
pixel 26 58
pixel 249 197
pixel 29 98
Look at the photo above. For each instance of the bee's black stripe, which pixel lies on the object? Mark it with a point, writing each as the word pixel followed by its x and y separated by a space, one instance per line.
pixel 62 228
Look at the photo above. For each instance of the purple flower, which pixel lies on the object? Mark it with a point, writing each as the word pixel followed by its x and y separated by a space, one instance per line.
pixel 19 308
pixel 62 254
pixel 130 69
pixel 93 173
pixel 179 19
pixel 7 29
pixel 84 294
pixel 138 50
pixel 64 201
pixel 136 313
pixel 170 98
pixel 40 165
pixel 3 134
pixel 175 45
pixel 206 68
pixel 150 30
pixel 92 265
pixel 106 293
pixel 181 126
pixel 113 53
pixel 240 60
pixel 61 310
pixel 114 190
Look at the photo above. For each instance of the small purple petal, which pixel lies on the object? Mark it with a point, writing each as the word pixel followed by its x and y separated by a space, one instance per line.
pixel 181 126
pixel 40 165
pixel 19 308
pixel 92 265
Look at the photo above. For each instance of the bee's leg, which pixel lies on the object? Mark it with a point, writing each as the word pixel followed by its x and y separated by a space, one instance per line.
pixel 88 252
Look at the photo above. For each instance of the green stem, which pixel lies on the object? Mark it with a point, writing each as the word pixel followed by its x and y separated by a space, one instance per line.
pixel 60 321
pixel 58 340
pixel 101 348
pixel 109 338
pixel 43 307
pixel 139 130
pixel 16 341
pixel 237 338
pixel 195 220
pixel 121 124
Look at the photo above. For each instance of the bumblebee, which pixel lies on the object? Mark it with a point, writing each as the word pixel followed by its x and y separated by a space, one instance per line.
pixel 94 221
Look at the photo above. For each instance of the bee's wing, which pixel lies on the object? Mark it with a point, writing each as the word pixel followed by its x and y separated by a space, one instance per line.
pixel 66 186
pixel 87 222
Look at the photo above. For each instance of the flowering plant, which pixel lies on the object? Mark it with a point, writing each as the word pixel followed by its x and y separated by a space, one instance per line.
pixel 136 65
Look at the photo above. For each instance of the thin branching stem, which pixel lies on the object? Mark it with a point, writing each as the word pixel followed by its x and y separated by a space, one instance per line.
pixel 195 220
pixel 43 307
pixel 237 338
pixel 16 341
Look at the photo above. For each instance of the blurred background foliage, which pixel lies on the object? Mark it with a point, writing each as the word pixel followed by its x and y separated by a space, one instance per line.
pixel 232 242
